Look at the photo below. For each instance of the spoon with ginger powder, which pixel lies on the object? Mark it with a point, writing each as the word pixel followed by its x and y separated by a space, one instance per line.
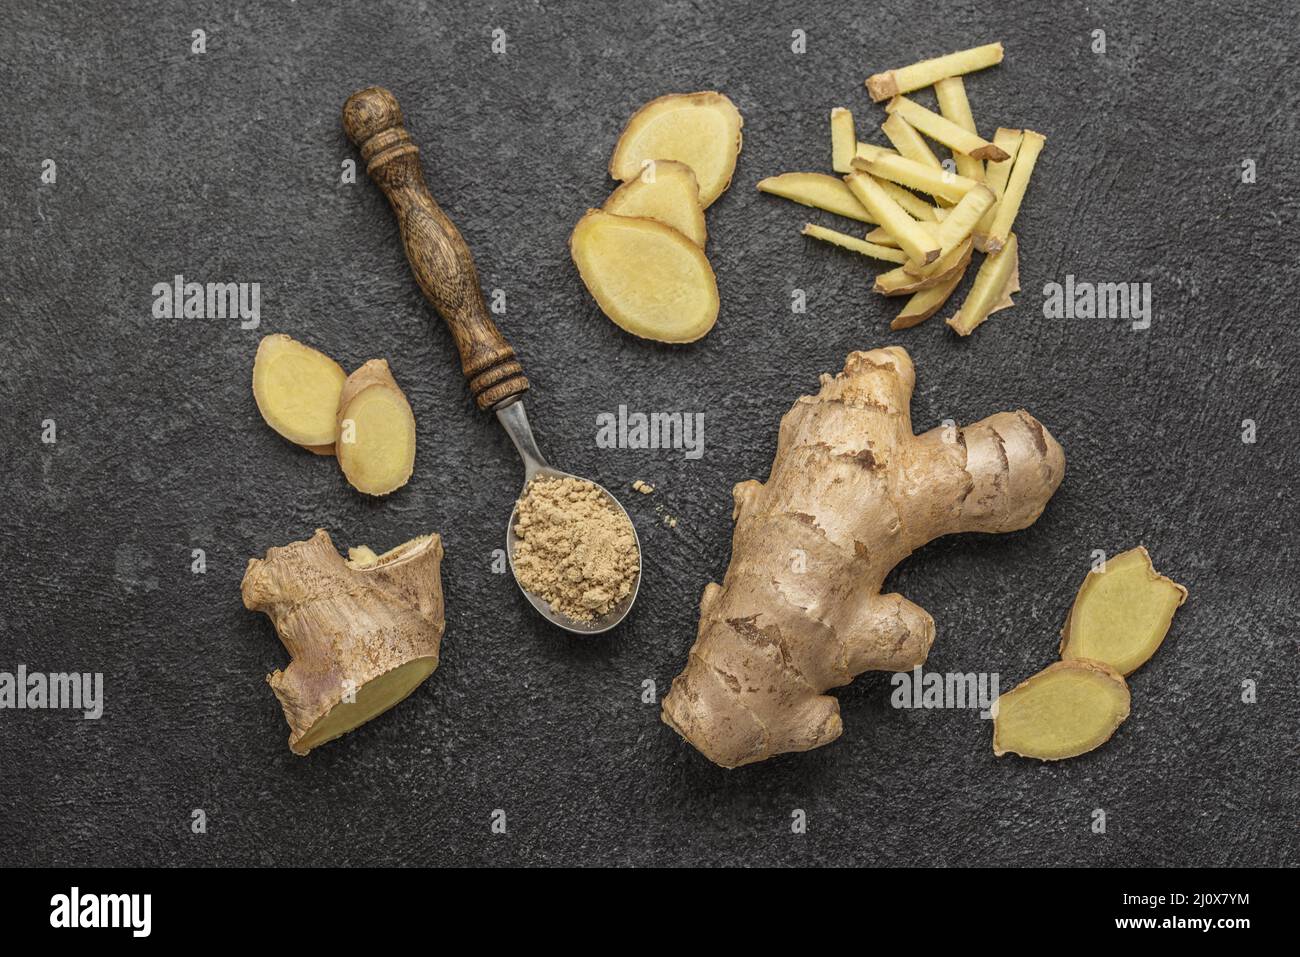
pixel 444 269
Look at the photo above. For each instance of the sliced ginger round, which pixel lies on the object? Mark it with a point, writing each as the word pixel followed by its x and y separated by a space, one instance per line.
pixel 1122 614
pixel 701 130
pixel 1065 710
pixel 297 391
pixel 376 444
pixel 666 191
pixel 647 277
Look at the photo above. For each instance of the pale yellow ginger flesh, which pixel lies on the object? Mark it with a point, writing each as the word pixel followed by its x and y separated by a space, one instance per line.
pixel 996 176
pixel 648 278
pixel 927 302
pixel 702 130
pixel 1067 709
pixel 956 227
pixel 914 205
pixel 376 444
pixel 867 151
pixel 954 106
pixel 851 493
pixel 883 86
pixel 912 239
pixel 1122 613
pixel 881 237
pixel 297 391
pixel 844 140
pixel 1004 216
pixel 665 191
pixel 944 130
pixel 362 633
pixel 819 191
pixel 998 278
pixel 902 282
pixel 919 176
pixel 857 245
pixel 908 142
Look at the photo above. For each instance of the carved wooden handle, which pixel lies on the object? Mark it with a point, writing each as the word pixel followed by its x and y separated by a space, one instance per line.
pixel 443 264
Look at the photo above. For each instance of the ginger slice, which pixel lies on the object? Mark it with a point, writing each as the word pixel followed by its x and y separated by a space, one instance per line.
pixel 915 206
pixel 844 140
pixel 868 151
pixel 647 277
pixel 908 142
pixel 881 237
pixel 855 244
pixel 890 83
pixel 1122 613
pixel 998 278
pixel 908 172
pixel 1004 217
pixel 665 191
pixel 956 226
pixel 297 391
pixel 944 130
pixel 917 242
pixel 1065 710
pixel 996 176
pixel 901 282
pixel 950 92
pixel 701 130
pixel 819 191
pixel 376 445
pixel 927 302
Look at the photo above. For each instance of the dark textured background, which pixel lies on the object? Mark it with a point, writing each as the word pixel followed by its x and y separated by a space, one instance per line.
pixel 225 167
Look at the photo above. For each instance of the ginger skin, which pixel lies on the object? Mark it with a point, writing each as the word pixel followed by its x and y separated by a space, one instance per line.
pixel 852 492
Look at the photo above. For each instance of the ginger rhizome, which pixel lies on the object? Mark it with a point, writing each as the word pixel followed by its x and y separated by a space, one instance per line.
pixel 1119 618
pixel 362 633
pixel 852 492
pixel 376 443
pixel 665 191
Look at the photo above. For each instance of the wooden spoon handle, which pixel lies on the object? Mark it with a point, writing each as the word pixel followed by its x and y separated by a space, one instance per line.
pixel 442 263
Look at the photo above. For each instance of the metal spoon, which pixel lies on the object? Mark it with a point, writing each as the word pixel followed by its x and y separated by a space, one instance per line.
pixel 444 269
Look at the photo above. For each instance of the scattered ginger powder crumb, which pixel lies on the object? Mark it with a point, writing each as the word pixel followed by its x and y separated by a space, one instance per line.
pixel 576 551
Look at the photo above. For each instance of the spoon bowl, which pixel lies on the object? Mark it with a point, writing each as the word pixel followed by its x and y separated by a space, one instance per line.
pixel 514 420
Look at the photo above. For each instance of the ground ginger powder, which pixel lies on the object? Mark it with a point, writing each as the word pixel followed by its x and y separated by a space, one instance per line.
pixel 575 550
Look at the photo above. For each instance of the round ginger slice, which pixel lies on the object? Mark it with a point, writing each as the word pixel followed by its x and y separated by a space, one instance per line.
pixel 376 444
pixel 297 391
pixel 665 191
pixel 1067 709
pixel 701 130
pixel 1122 614
pixel 647 277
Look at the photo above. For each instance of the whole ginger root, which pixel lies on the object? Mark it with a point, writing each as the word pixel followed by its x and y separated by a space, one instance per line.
pixel 852 492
